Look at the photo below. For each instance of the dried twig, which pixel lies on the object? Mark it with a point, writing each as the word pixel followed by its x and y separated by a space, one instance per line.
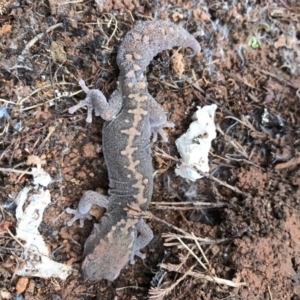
pixel 35 39
pixel 159 294
pixel 8 170
pixel 282 80
pixel 235 189
pixel 291 163
pixel 16 239
pixel 200 275
pixel 236 145
pixel 187 205
pixel 203 241
pixel 20 102
pixel 244 122
pixel 192 253
pixel 51 130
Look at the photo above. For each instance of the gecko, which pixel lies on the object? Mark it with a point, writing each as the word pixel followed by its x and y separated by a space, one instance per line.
pixel 131 115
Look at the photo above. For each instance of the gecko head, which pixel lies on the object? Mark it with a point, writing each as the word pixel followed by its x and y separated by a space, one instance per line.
pixel 107 256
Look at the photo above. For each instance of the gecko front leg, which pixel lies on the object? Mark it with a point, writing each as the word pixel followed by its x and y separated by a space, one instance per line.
pixel 95 100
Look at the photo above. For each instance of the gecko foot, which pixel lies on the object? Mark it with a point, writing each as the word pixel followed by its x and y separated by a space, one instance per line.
pixel 94 100
pixel 77 216
pixel 87 200
pixel 139 254
pixel 159 130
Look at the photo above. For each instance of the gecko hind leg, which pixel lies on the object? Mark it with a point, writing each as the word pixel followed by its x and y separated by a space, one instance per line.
pixel 144 237
pixel 158 120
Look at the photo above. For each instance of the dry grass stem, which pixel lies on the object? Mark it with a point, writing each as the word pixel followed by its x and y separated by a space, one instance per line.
pixel 111 20
pixel 234 144
pixel 159 294
pixel 36 38
pixel 46 86
pixel 192 253
pixel 270 294
pixel 235 189
pixel 51 130
pixel 244 122
pixel 7 101
pixel 5 129
pixel 17 240
pixel 8 170
pixel 176 87
pixel 282 80
pixel 203 241
pixel 200 248
pixel 206 277
pixel 293 162
pixel 187 205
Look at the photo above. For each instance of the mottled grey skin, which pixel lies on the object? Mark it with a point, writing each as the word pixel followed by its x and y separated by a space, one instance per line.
pixel 131 115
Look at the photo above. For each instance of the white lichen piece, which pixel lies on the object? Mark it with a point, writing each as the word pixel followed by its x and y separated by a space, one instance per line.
pixel 194 145
pixel 36 255
pixel 40 176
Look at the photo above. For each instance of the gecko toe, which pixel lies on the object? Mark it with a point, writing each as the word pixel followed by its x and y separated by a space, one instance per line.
pixel 77 216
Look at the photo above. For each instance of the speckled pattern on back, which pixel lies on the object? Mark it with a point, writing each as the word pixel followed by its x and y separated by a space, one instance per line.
pixel 132 115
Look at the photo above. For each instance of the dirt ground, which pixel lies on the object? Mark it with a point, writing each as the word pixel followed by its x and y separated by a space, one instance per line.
pixel 248 223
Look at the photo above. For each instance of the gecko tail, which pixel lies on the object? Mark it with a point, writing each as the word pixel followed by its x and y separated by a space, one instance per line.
pixel 149 38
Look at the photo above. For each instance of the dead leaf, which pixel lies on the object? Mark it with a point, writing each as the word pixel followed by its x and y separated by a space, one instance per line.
pixel 22 285
pixel 6 28
pixel 281 42
pixel 35 160
pixel 177 63
pixel 58 53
